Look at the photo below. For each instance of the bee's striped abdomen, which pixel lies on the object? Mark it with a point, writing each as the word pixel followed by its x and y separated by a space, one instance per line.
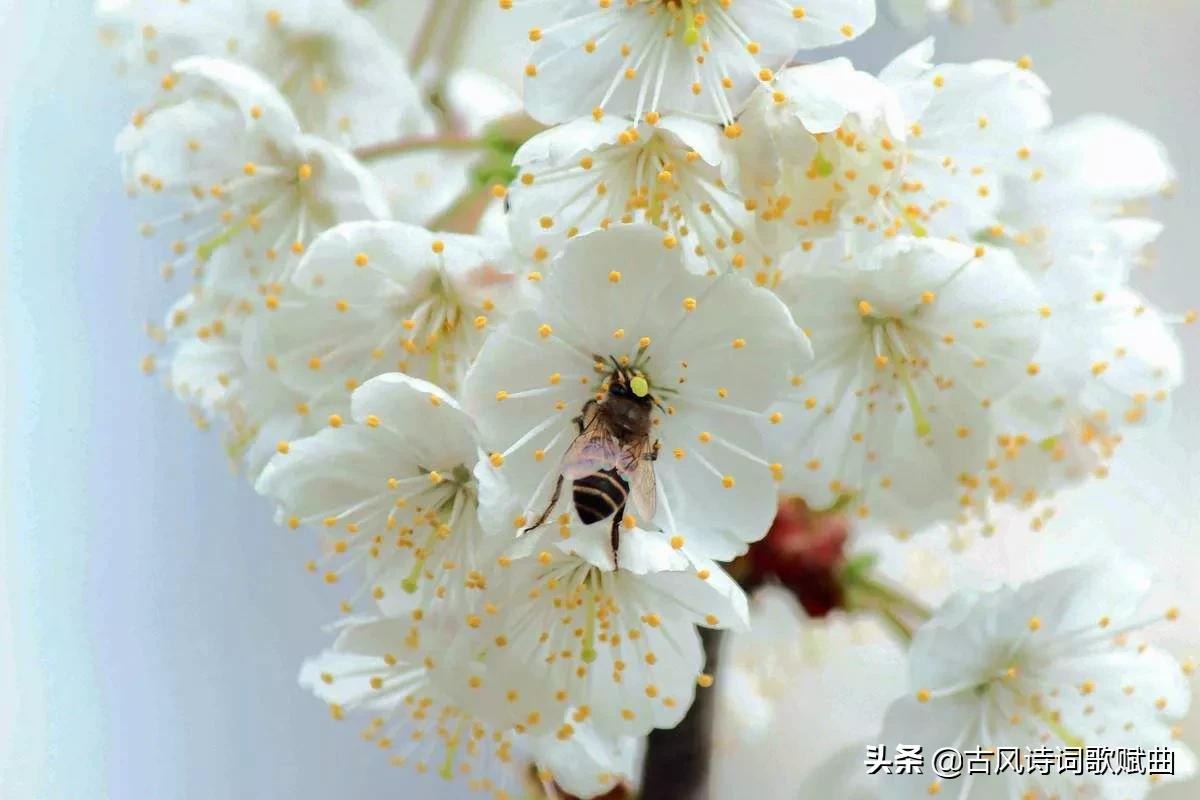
pixel 599 495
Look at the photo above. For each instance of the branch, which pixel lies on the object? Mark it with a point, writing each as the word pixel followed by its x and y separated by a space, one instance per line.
pixel 678 759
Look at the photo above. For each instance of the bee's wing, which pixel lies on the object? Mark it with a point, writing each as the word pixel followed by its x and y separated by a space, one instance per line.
pixel 593 450
pixel 638 470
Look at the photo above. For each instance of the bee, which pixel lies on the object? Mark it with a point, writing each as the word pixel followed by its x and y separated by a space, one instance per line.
pixel 611 460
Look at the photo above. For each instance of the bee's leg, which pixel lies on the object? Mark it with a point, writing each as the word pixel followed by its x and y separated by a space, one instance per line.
pixel 549 506
pixel 653 454
pixel 615 535
pixel 581 420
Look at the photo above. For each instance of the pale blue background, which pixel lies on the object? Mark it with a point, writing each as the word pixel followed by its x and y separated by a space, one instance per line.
pixel 152 619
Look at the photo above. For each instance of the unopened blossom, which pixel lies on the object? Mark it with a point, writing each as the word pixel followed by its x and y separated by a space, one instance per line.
pixel 918 151
pixel 804 552
pixel 1056 663
pixel 915 342
pixel 373 297
pixel 918 13
pixel 565 639
pixel 591 174
pixel 391 673
pixel 245 190
pixel 390 490
pixel 344 80
pixel 700 57
pixel 202 334
pixel 586 763
pixel 710 354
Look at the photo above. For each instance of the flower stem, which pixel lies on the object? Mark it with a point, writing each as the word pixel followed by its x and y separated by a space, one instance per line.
pixel 465 214
pixel 424 39
pixel 678 759
pixel 903 613
pixel 899 626
pixel 415 144
pixel 439 38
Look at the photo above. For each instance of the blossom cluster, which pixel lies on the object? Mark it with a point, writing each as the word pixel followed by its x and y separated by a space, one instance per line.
pixel 534 371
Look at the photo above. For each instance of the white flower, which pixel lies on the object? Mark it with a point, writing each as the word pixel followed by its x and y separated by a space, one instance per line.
pixel 1108 360
pixel 343 79
pixel 915 341
pixel 701 57
pixel 372 297
pixel 265 413
pixel 590 174
pixel 247 189
pixel 566 640
pixel 1052 663
pixel 919 150
pixel 788 677
pixel 213 364
pixel 712 354
pixel 947 558
pixel 966 123
pixel 1074 198
pixel 394 669
pixel 392 491
pixel 808 140
pixel 1108 363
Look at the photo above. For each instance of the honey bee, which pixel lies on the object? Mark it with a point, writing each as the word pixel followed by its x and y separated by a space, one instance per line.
pixel 611 459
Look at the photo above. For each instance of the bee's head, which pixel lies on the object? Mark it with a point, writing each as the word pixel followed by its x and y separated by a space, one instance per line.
pixel 625 384
pixel 617 387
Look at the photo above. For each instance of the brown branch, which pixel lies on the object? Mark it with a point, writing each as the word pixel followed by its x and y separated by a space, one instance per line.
pixel 678 759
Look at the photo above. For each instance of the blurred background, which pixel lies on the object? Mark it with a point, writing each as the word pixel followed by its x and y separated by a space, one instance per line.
pixel 153 619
